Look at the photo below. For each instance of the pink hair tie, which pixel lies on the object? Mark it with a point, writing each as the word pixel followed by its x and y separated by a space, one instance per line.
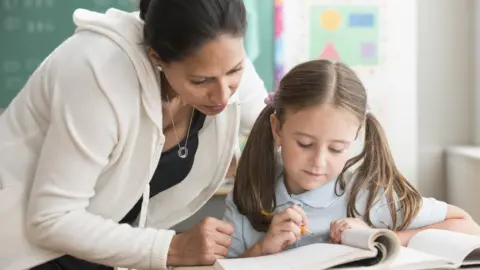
pixel 270 99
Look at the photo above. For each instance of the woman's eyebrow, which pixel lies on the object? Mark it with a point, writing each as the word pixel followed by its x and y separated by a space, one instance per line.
pixel 199 76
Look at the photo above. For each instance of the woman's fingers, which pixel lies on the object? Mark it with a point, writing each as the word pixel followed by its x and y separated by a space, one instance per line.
pixel 220 251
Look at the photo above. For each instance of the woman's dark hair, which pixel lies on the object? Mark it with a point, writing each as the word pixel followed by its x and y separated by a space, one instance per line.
pixel 316 83
pixel 176 28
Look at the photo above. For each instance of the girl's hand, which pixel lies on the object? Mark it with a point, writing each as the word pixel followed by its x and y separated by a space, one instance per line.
pixel 285 229
pixel 337 227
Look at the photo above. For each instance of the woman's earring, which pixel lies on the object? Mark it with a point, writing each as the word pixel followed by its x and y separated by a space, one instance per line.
pixel 159 68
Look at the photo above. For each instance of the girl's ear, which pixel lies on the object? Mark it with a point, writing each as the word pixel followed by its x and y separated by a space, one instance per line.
pixel 276 131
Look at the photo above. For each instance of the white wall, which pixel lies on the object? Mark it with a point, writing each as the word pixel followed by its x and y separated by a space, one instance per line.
pixel 445 86
pixel 476 70
pixel 400 86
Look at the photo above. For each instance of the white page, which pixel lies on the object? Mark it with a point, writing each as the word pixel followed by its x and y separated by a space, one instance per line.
pixel 385 240
pixel 360 238
pixel 315 256
pixel 412 259
pixel 447 244
pixel 193 268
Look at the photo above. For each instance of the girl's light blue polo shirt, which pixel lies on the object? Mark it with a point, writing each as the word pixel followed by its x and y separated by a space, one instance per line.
pixel 322 206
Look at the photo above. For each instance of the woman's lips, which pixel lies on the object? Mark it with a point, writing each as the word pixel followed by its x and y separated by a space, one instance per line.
pixel 216 108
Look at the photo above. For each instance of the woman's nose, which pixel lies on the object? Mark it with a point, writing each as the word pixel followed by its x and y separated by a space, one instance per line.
pixel 221 94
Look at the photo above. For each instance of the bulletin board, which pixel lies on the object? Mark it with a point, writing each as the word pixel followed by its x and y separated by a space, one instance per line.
pixel 345 33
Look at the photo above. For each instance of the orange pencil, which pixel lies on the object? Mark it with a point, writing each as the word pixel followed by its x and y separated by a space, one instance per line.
pixel 302 228
pixel 305 230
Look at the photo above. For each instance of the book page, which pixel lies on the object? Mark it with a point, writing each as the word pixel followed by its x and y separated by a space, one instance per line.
pixel 315 256
pixel 472 258
pixel 193 268
pixel 456 247
pixel 412 259
pixel 360 238
pixel 407 259
pixel 384 241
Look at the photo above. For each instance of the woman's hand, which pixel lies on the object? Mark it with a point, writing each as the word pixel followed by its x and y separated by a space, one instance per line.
pixel 285 229
pixel 201 245
pixel 337 227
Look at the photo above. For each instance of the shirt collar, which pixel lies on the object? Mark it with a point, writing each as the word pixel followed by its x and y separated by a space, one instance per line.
pixel 321 197
pixel 233 99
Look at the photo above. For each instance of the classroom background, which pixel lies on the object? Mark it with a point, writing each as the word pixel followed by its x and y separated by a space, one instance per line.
pixel 418 60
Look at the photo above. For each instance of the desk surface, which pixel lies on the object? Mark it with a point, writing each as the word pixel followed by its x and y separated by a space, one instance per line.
pixel 223 191
pixel 226 188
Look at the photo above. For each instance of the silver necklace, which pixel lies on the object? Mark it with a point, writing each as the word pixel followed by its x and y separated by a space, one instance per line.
pixel 182 150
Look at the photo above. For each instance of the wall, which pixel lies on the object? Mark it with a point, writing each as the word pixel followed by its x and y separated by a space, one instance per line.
pixel 476 70
pixel 400 86
pixel 445 83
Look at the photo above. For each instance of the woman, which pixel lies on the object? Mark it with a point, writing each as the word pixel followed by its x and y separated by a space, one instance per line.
pixel 133 112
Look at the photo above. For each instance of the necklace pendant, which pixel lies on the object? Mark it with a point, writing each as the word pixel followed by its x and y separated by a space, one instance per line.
pixel 182 152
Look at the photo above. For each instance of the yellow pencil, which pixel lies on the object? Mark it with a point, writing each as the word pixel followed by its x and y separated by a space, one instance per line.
pixel 302 228
pixel 305 230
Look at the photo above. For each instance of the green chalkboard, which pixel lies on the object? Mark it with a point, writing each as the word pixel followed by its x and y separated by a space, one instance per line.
pixel 264 63
pixel 31 29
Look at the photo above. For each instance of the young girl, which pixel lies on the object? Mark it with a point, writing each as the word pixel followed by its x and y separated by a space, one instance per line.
pixel 295 171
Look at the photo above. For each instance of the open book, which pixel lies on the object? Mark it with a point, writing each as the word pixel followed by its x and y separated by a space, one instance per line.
pixel 362 247
pixel 432 248
pixel 369 249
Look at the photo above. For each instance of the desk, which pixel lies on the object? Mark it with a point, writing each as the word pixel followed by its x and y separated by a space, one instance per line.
pixel 223 191
pixel 226 188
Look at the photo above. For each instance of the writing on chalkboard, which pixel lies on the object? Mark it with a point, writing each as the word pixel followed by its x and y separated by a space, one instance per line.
pixel 12 4
pixel 29 4
pixel 32 29
pixel 33 4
